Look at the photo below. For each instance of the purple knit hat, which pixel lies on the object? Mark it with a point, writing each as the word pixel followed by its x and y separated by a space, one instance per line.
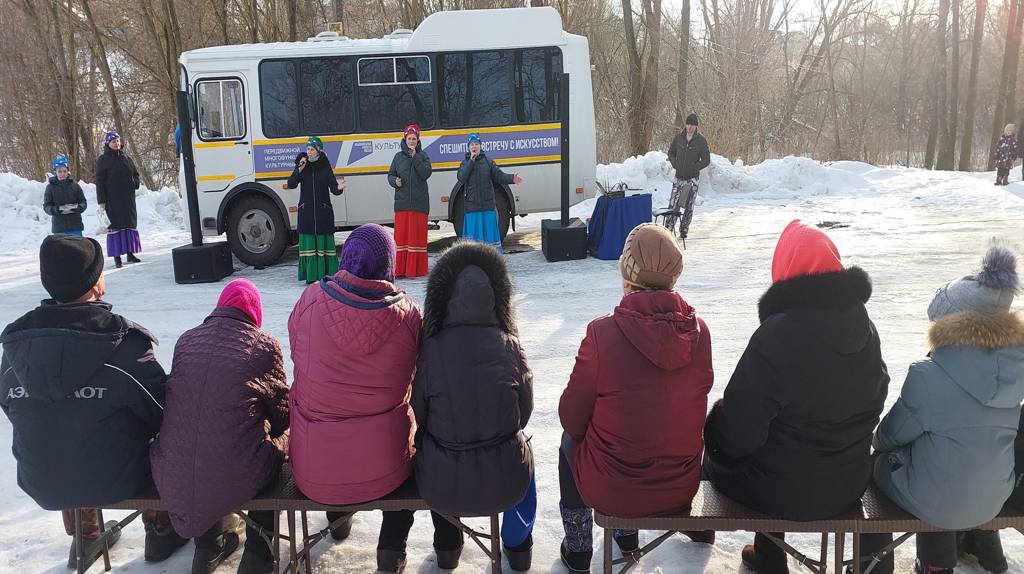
pixel 369 253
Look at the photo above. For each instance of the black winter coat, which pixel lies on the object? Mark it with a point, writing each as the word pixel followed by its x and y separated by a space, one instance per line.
pixel 1006 151
pixel 414 171
pixel 689 157
pixel 473 392
pixel 316 215
pixel 479 177
pixel 64 193
pixel 792 436
pixel 116 182
pixel 85 395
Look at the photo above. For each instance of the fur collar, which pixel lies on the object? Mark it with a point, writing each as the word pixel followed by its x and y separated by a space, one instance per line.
pixel 986 330
pixel 837 290
pixel 441 285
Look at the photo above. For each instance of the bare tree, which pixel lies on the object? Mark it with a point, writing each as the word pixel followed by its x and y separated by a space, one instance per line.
pixel 642 76
pixel 952 120
pixel 684 64
pixel 1007 75
pixel 977 36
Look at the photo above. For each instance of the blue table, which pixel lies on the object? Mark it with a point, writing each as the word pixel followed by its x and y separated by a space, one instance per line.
pixel 612 221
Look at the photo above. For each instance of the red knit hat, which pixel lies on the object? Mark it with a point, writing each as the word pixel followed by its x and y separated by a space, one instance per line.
pixel 804 250
pixel 412 129
pixel 243 295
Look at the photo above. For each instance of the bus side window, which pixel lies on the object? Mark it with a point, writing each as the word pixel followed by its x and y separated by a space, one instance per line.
pixel 221 109
pixel 394 92
pixel 538 77
pixel 279 99
pixel 475 89
pixel 328 96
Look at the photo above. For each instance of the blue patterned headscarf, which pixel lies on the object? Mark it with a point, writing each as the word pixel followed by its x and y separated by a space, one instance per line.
pixel 111 136
pixel 58 162
pixel 475 138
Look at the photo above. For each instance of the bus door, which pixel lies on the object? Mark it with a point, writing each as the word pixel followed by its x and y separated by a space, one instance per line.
pixel 221 139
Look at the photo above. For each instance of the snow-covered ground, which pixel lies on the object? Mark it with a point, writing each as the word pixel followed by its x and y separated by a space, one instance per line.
pixel 912 230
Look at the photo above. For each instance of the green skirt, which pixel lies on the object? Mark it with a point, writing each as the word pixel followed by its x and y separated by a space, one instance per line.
pixel 318 257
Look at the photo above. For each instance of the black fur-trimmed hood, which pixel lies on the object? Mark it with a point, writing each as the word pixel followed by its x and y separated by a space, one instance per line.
pixel 837 290
pixel 445 282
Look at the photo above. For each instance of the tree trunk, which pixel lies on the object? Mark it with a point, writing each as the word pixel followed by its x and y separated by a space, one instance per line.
pixel 941 85
pixel 255 32
pixel 1011 83
pixel 635 75
pixel 977 36
pixel 998 118
pixel 948 153
pixel 684 64
pixel 649 106
pixel 293 17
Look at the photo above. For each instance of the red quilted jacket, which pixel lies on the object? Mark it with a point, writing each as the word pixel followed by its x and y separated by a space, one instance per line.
pixel 354 345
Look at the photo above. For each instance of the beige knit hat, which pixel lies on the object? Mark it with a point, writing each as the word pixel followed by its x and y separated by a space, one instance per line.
pixel 651 258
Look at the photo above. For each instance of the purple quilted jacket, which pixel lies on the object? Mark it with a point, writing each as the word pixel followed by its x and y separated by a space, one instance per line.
pixel 225 429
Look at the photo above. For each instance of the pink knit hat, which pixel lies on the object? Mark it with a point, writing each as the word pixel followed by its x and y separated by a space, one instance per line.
pixel 243 295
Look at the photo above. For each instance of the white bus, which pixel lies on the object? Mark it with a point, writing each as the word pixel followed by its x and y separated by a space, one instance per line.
pixel 497 72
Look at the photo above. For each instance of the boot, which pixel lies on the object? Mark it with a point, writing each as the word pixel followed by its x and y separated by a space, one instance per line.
pixel 520 558
pixel 161 542
pixel 133 259
pixel 215 545
pixel 701 536
pixel 256 556
pixel 578 562
pixel 986 546
pixel 448 559
pixel 390 561
pixel 628 542
pixel 922 569
pixel 343 528
pixel 117 262
pixel 770 565
pixel 93 548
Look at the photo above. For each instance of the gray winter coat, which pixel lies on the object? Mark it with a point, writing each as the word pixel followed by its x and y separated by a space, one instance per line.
pixel 414 170
pixel 947 444
pixel 479 177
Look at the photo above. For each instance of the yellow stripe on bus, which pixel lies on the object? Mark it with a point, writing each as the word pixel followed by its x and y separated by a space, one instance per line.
pixel 441 165
pixel 213 144
pixel 426 133
pixel 223 177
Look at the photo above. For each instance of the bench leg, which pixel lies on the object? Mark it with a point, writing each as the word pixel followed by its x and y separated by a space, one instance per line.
pixel 608 566
pixel 305 541
pixel 79 543
pixel 106 547
pixel 275 547
pixel 293 565
pixel 856 553
pixel 823 562
pixel 840 551
pixel 495 545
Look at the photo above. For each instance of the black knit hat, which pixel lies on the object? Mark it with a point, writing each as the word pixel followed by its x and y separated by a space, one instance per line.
pixel 692 120
pixel 69 266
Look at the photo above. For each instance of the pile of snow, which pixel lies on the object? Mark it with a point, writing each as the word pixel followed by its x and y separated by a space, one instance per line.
pixel 784 178
pixel 23 223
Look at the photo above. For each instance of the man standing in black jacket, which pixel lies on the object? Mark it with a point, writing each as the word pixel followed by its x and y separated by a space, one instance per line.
pixel 84 394
pixel 688 154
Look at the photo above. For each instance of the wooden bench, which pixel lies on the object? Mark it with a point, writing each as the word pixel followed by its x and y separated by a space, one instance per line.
pixel 284 496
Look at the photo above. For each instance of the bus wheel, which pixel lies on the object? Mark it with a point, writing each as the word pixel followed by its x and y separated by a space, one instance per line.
pixel 257 231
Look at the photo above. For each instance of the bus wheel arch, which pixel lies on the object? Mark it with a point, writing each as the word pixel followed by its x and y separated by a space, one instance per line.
pixel 256 224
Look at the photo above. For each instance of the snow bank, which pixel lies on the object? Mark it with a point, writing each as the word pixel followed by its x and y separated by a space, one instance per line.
pixel 23 223
pixel 775 178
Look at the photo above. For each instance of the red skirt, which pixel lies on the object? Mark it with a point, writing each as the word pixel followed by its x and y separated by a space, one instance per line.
pixel 411 240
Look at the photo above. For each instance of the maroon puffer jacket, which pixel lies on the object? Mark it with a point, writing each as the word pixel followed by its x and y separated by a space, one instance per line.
pixel 224 434
pixel 635 406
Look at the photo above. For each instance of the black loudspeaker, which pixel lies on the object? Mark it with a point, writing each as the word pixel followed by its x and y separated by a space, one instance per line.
pixel 563 243
pixel 206 263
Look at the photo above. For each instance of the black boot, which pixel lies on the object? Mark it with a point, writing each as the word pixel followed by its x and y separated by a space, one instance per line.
pixel 628 543
pixel 390 560
pixel 520 558
pixel 576 561
pixel 764 564
pixel 93 548
pixel 922 569
pixel 133 259
pixel 986 546
pixel 161 542
pixel 448 559
pixel 340 530
pixel 117 262
pixel 215 545
pixel 701 536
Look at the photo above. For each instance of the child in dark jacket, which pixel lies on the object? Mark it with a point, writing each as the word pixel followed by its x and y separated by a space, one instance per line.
pixel 1006 154
pixel 63 200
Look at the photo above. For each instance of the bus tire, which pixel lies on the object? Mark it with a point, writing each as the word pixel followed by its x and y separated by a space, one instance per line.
pixel 256 230
pixel 500 206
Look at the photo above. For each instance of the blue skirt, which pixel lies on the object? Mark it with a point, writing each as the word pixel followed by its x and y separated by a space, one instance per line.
pixel 482 226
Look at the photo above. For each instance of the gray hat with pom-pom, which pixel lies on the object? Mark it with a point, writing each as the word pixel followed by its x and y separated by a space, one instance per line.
pixel 991 290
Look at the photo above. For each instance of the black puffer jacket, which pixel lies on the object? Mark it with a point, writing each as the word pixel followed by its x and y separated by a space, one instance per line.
pixel 64 192
pixel 85 396
pixel 414 170
pixel 689 157
pixel 315 182
pixel 473 392
pixel 792 436
pixel 116 182
pixel 479 177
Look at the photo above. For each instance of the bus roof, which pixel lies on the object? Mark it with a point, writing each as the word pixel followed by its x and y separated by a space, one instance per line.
pixel 441 31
